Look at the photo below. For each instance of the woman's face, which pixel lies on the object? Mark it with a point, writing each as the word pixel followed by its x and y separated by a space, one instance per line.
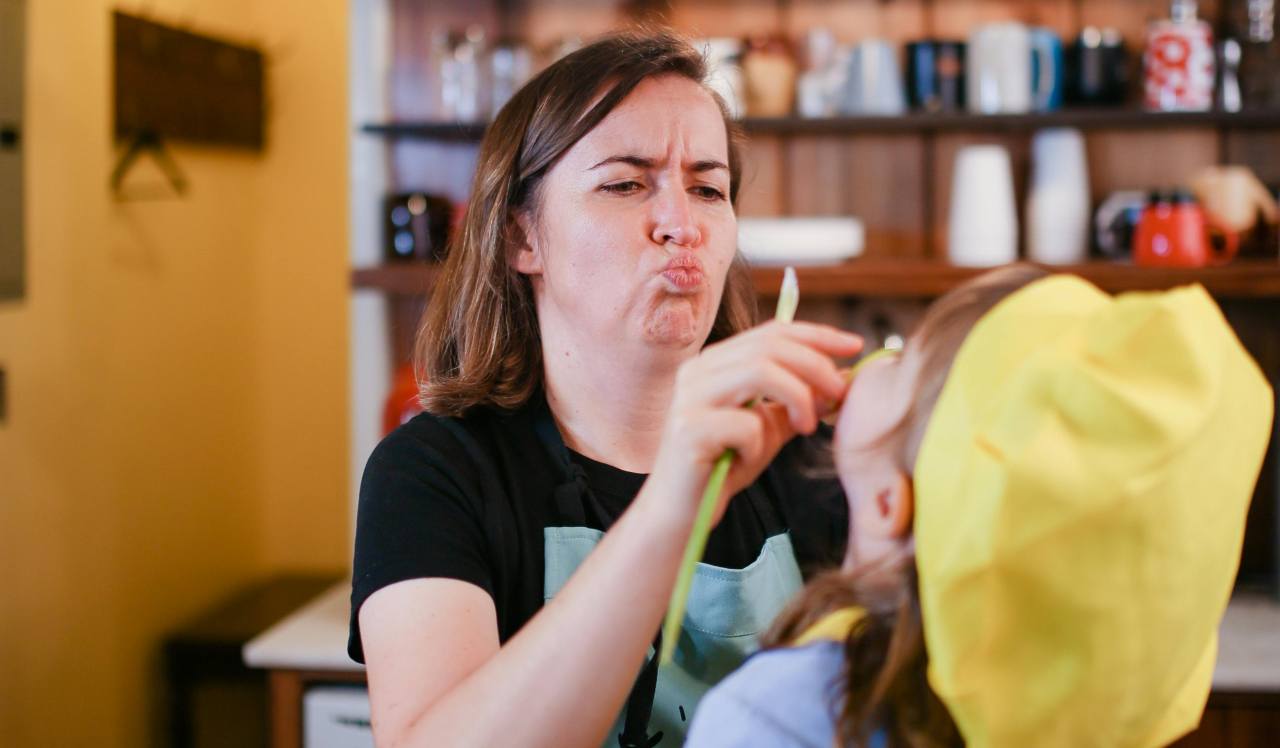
pixel 633 234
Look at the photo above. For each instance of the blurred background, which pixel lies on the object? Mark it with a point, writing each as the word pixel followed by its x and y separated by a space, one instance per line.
pixel 175 367
pixel 220 219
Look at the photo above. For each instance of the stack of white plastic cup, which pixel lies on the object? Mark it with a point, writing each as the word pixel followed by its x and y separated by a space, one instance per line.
pixel 1058 199
pixel 982 230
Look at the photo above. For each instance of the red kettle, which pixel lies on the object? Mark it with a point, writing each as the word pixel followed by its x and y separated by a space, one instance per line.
pixel 1174 232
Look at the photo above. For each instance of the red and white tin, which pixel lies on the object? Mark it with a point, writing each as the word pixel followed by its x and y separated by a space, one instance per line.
pixel 1179 66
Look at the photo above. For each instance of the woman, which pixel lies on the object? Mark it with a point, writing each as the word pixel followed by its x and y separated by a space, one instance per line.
pixel 571 391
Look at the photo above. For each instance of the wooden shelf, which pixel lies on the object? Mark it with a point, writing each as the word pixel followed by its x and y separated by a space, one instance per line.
pixel 919 279
pixel 1245 279
pixel 916 122
pixel 449 132
pixel 1092 119
pixel 401 279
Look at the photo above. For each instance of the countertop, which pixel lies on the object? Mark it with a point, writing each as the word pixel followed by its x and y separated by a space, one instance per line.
pixel 315 638
pixel 312 638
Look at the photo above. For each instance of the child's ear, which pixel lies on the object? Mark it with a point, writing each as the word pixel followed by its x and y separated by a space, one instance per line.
pixel 525 256
pixel 895 506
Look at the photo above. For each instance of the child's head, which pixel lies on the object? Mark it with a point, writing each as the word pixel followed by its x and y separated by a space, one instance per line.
pixel 1047 492
pixel 878 435
pixel 887 409
pixel 1081 494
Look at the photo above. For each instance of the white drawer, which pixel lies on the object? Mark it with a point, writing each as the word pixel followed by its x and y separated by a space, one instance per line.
pixel 336 717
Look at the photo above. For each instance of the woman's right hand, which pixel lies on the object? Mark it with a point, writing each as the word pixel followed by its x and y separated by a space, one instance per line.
pixel 787 369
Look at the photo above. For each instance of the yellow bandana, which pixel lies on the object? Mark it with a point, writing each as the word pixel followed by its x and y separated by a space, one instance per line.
pixel 834 626
pixel 1081 494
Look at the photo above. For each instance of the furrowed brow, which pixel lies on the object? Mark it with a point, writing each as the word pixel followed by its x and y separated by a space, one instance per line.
pixel 626 158
pixel 710 165
pixel 648 163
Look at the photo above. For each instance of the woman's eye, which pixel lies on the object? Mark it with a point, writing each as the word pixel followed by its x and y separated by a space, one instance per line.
pixel 622 188
pixel 708 193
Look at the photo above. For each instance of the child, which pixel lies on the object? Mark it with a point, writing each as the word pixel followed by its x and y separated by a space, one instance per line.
pixel 1047 492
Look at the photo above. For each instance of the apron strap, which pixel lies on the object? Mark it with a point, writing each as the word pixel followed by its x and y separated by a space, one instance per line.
pixel 635 728
pixel 573 500
pixel 767 510
pixel 573 497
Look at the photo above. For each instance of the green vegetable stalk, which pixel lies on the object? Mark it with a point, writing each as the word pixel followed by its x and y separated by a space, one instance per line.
pixel 788 298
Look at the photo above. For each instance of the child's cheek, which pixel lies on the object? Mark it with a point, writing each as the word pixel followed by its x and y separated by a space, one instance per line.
pixel 844 421
pixel 843 454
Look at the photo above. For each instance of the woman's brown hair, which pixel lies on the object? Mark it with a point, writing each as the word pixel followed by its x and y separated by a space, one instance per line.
pixel 479 342
pixel 884 678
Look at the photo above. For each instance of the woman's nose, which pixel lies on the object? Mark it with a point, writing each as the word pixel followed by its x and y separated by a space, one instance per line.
pixel 673 219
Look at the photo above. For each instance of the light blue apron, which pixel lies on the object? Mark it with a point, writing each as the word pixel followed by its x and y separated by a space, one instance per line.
pixel 727 611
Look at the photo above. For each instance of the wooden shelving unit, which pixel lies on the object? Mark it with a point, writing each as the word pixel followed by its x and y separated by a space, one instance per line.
pixel 914 123
pixel 878 278
pixel 895 174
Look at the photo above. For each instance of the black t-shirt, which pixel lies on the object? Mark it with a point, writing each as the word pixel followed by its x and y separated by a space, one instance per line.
pixel 468 498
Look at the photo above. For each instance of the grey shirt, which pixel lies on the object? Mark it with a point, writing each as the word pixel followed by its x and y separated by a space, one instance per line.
pixel 782 697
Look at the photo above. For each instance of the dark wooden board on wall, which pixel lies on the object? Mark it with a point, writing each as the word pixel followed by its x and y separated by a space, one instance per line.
pixel 181 85
pixel 13 241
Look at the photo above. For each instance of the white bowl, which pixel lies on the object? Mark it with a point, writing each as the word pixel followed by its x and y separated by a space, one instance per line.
pixel 800 241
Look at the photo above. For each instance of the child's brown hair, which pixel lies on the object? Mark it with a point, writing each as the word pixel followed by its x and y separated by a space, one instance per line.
pixel 885 686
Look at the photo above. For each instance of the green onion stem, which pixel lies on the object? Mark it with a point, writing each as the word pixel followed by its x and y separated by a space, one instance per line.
pixel 788 299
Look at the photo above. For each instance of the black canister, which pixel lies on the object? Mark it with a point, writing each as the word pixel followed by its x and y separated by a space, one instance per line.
pixel 1097 68
pixel 935 75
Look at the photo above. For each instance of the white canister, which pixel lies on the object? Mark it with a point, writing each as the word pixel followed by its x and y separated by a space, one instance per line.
pixel 819 86
pixel 1058 198
pixel 982 229
pixel 724 75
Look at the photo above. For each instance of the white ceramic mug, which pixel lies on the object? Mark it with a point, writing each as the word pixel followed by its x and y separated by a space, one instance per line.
pixel 982 229
pixel 998 69
pixel 1058 198
pixel 873 81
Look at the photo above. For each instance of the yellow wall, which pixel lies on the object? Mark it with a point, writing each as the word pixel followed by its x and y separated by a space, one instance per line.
pixel 177 372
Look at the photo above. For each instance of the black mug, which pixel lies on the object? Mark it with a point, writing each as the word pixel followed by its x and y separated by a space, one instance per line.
pixel 935 75
pixel 1097 68
pixel 416 226
pixel 1116 221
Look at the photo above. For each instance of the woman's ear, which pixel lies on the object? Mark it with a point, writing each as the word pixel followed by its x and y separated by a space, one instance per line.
pixel 895 506
pixel 525 255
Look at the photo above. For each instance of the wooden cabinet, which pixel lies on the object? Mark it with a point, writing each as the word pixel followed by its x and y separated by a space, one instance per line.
pixel 1236 721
